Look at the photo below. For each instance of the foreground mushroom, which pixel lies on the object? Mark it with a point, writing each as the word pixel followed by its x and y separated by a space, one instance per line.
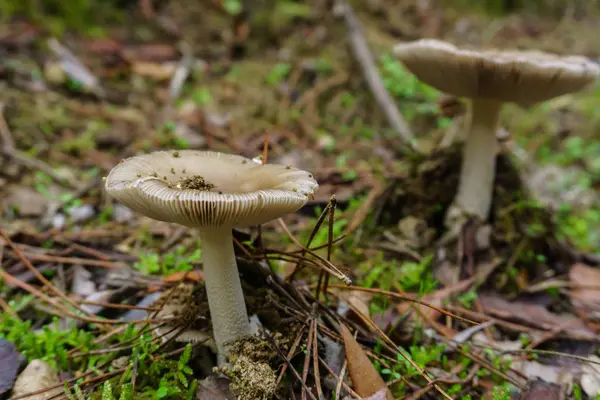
pixel 213 192
pixel 490 78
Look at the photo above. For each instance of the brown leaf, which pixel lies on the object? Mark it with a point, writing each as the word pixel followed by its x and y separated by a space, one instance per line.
pixel 194 276
pixel 540 390
pixel 214 388
pixel 535 315
pixel 358 299
pixel 585 298
pixel 365 378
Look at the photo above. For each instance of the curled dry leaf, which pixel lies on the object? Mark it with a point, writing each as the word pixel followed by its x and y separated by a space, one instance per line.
pixel 38 375
pixel 365 378
pixel 585 294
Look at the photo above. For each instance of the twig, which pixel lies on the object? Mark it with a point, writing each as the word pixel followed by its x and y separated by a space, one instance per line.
pixel 7 140
pixel 309 350
pixel 289 364
pixel 316 362
pixel 361 51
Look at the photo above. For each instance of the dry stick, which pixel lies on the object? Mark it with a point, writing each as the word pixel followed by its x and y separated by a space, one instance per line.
pixel 6 307
pixel 316 362
pixel 361 51
pixel 265 149
pixel 299 265
pixel 340 380
pixel 282 356
pixel 290 354
pixel 309 349
pixel 38 274
pixel 400 350
pixel 114 305
pixel 322 276
pixel 74 260
pixel 476 358
pixel 405 298
pixel 326 265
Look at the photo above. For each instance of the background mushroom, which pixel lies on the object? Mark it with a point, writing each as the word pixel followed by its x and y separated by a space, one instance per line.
pixel 490 78
pixel 213 192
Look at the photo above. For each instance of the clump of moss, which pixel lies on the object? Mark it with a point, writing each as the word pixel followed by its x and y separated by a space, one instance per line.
pixel 252 380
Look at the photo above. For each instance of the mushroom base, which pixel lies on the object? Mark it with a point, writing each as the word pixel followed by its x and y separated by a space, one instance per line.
pixel 224 289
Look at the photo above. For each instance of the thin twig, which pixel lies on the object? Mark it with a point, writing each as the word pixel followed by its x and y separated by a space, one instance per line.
pixel 361 51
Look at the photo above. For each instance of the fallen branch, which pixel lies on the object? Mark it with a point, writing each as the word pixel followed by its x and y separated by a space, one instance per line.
pixel 363 55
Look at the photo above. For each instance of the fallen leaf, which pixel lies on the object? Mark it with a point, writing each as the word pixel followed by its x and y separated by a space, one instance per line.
pixel 365 378
pixel 160 72
pixel 585 299
pixel 27 201
pixel 82 282
pixel 535 315
pixel 38 375
pixel 590 377
pixel 547 373
pixel 194 276
pixel 540 390
pixel 10 360
pixel 214 387
pixel 358 299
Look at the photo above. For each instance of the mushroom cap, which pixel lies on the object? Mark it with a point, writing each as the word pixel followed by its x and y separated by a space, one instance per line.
pixel 523 77
pixel 229 191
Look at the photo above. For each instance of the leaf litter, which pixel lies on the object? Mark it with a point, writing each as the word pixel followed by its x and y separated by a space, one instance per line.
pixel 70 255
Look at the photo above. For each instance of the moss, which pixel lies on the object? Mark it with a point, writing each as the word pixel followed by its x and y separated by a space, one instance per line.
pixel 251 380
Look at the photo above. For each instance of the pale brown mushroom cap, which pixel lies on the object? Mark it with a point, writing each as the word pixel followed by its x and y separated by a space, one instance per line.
pixel 523 77
pixel 245 193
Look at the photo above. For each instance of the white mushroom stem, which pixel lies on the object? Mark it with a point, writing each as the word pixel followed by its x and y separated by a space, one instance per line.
pixel 223 288
pixel 476 184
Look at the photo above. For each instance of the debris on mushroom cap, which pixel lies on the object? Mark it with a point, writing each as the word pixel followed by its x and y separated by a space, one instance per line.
pixel 523 77
pixel 38 375
pixel 208 189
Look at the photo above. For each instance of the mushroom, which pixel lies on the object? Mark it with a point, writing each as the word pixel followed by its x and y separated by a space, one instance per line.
pixel 213 192
pixel 489 79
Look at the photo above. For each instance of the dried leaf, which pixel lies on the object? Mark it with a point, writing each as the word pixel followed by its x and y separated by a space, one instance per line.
pixel 194 276
pixel 540 390
pixel 10 360
pixel 38 375
pixel 365 378
pixel 590 378
pixel 535 315
pixel 547 373
pixel 358 299
pixel 214 388
pixel 585 299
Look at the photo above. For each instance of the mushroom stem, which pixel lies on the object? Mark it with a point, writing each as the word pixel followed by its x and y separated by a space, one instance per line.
pixel 478 168
pixel 223 288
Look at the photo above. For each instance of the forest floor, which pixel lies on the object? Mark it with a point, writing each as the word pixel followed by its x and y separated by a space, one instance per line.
pixel 96 291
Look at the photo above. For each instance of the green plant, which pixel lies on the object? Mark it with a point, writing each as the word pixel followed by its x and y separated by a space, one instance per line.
pixel 170 263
